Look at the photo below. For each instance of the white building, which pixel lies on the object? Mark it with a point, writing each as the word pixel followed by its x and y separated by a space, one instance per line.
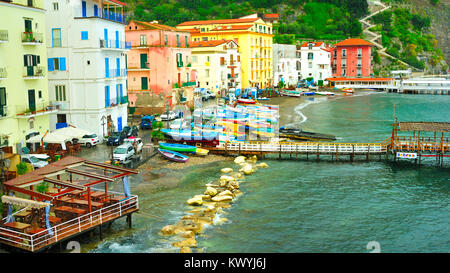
pixel 218 64
pixel 87 64
pixel 315 61
pixel 285 64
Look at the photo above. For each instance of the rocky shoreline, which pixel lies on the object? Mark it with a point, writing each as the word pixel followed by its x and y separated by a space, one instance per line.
pixel 205 207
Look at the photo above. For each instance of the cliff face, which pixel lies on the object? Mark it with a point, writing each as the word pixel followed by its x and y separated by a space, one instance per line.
pixel 439 14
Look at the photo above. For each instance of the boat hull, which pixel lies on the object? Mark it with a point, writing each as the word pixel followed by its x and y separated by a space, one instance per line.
pixel 177 147
pixel 173 156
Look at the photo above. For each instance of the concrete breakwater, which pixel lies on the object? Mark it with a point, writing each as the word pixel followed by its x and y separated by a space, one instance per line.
pixel 206 207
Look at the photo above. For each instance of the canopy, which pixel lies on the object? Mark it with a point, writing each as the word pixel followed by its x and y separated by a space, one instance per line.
pixel 71 132
pixel 23 202
pixel 51 138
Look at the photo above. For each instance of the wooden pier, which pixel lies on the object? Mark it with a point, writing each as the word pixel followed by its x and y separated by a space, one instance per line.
pixel 415 146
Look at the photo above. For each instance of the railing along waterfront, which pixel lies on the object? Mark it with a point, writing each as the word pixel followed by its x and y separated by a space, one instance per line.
pixel 423 144
pixel 306 147
pixel 68 228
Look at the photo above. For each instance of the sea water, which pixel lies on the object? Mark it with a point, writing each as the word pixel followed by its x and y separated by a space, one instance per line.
pixel 313 206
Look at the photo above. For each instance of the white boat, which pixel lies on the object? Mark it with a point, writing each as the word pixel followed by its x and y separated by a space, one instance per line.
pixel 325 93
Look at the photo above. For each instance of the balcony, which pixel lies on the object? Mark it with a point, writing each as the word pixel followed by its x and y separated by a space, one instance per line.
pixel 60 105
pixel 32 38
pixel 100 14
pixel 138 66
pixel 33 72
pixel 114 44
pixel 40 109
pixel 3 73
pixel 116 73
pixel 3 36
pixel 124 100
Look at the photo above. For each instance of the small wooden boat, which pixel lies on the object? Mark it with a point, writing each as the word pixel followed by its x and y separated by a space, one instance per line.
pixel 201 151
pixel 308 93
pixel 290 93
pixel 177 147
pixel 299 134
pixel 325 93
pixel 246 101
pixel 347 90
pixel 174 156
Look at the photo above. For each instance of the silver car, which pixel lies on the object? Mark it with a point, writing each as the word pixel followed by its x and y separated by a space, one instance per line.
pixel 34 161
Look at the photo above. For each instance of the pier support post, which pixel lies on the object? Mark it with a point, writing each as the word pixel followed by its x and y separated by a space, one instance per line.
pixel 129 220
pixel 101 232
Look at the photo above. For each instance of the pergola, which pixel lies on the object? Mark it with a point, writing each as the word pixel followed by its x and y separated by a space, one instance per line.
pixel 62 173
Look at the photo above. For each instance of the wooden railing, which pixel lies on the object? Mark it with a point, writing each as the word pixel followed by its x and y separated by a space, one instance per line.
pixel 68 228
pixel 306 147
pixel 423 144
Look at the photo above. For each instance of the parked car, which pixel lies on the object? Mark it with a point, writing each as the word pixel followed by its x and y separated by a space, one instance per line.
pixel 34 161
pixel 205 95
pixel 211 95
pixel 89 140
pixel 134 130
pixel 127 131
pixel 179 113
pixel 116 138
pixel 123 153
pixel 169 115
pixel 139 144
pixel 180 124
pixel 146 122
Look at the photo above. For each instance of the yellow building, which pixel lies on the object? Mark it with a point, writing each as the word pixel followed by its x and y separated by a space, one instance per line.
pixel 254 38
pixel 24 102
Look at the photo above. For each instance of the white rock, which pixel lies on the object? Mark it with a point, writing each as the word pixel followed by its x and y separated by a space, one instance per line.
pixel 226 170
pixel 211 191
pixel 195 201
pixel 239 159
pixel 222 198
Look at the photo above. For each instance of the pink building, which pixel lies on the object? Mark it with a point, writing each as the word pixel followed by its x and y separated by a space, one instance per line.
pixel 159 59
pixel 352 58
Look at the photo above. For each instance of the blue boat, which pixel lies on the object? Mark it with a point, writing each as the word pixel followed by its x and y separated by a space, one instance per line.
pixel 308 93
pixel 189 135
pixel 174 156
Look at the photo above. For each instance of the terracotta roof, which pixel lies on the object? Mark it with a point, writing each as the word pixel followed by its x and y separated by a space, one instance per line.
pixel 354 42
pixel 305 44
pixel 328 49
pixel 208 43
pixel 359 79
pixel 271 15
pixel 192 30
pixel 220 21
pixel 149 25
pixel 235 27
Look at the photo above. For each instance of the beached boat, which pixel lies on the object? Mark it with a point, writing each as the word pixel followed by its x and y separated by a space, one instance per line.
pixel 308 93
pixel 177 147
pixel 174 156
pixel 347 90
pixel 290 93
pixel 246 101
pixel 200 151
pixel 299 134
pixel 325 93
pixel 188 135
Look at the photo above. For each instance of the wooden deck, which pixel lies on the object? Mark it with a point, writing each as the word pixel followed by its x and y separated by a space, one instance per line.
pixel 38 241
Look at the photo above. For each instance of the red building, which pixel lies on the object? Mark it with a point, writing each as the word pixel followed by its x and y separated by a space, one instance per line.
pixel 352 58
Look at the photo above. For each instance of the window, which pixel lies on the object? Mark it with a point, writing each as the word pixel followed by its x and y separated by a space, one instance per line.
pixel 359 52
pixel 31 60
pixel 207 59
pixel 55 6
pixel 165 40
pixel 310 46
pixel 60 92
pixel 310 65
pixel 310 56
pixel 178 40
pixel 57 64
pixel 56 37
pixel 186 44
pixel 206 72
pixel 344 52
pixel 194 59
pixel 84 35
pixel 39 94
pixel 143 40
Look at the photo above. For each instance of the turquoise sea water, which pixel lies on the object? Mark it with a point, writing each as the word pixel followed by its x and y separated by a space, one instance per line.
pixel 309 206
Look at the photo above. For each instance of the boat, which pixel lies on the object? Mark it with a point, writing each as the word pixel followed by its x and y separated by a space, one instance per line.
pixel 188 135
pixel 200 151
pixel 308 93
pixel 347 90
pixel 290 93
pixel 325 93
pixel 174 156
pixel 177 147
pixel 246 101
pixel 299 134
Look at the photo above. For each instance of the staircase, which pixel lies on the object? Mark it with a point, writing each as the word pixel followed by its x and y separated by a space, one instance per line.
pixel 375 36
